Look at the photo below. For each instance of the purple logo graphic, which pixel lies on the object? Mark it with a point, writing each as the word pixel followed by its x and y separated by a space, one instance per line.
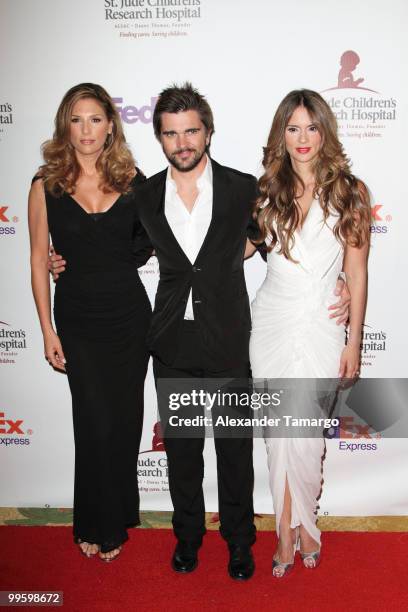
pixel 132 114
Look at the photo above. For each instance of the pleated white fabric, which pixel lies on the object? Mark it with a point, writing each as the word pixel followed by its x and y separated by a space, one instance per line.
pixel 293 337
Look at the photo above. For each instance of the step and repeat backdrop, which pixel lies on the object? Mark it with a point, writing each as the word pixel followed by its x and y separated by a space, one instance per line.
pixel 244 55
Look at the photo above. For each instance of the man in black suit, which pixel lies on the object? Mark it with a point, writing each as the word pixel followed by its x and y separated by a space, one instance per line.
pixel 197 215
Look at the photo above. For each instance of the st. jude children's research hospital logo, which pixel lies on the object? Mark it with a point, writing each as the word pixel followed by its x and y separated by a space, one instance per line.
pixel 12 342
pixel 177 10
pixel 373 343
pixel 152 18
pixel 152 470
pixel 361 112
pixel 6 117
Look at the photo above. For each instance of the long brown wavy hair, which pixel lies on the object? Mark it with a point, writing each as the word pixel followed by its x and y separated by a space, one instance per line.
pixel 337 189
pixel 61 170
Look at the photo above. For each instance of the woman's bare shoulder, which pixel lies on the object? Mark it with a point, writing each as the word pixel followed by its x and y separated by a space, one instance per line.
pixel 37 187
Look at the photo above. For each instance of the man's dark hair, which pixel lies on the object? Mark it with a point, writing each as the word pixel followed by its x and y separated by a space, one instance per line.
pixel 176 99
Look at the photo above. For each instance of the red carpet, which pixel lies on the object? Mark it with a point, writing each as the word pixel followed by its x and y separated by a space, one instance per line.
pixel 359 571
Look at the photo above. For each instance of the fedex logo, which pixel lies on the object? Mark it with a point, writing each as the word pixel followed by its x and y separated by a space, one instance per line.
pixel 349 428
pixel 380 220
pixel 353 435
pixel 375 212
pixel 8 426
pixel 3 217
pixel 132 114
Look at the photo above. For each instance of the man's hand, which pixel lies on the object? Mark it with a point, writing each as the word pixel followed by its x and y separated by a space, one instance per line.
pixel 56 264
pixel 341 308
pixel 249 249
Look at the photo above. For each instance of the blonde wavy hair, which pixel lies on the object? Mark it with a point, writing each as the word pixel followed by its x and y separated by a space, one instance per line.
pixel 337 189
pixel 61 170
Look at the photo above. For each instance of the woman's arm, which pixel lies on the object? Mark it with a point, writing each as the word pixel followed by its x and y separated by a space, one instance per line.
pixel 39 240
pixel 142 248
pixel 355 267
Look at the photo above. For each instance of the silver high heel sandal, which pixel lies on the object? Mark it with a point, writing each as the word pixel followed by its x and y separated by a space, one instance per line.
pixel 311 559
pixel 279 569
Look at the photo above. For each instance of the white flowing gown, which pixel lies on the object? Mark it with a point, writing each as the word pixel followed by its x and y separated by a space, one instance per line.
pixel 293 337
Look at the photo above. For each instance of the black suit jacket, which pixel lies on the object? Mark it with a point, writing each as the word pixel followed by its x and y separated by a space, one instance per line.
pixel 220 299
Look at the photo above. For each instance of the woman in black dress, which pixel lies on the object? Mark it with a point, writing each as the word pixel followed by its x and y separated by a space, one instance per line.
pixel 84 197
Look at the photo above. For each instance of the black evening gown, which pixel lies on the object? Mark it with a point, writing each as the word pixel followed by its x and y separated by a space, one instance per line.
pixel 102 314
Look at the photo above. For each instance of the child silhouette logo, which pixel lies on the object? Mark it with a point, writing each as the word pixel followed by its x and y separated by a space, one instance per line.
pixel 157 440
pixel 349 62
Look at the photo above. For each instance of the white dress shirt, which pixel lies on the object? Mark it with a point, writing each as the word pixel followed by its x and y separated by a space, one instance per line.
pixel 188 228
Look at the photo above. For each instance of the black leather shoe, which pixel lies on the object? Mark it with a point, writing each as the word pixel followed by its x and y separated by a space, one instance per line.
pixel 241 565
pixel 184 558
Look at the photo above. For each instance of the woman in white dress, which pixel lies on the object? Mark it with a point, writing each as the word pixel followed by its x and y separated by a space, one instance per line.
pixel 314 216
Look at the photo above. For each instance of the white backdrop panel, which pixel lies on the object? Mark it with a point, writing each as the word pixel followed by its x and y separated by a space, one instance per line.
pixel 245 56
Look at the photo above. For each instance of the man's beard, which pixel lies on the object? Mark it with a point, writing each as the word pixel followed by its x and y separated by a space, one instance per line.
pixel 188 165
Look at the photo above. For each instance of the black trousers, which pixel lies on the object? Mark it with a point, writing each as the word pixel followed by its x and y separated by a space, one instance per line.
pixel 185 458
